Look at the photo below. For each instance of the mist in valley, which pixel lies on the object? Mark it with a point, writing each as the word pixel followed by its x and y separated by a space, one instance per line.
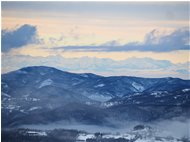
pixel 176 127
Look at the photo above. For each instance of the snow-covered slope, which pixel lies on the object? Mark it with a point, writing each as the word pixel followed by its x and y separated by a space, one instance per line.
pixel 46 82
pixel 37 94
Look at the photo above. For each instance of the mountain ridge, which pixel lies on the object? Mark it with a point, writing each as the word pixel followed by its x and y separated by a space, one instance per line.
pixel 41 94
pixel 92 73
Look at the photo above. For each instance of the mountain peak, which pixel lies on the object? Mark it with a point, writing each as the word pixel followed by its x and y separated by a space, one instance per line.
pixel 31 68
pixel 40 69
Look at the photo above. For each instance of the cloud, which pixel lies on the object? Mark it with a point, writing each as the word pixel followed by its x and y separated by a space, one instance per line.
pixel 177 40
pixel 112 43
pixel 142 67
pixel 19 37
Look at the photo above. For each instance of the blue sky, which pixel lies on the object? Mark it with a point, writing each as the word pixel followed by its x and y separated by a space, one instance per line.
pixel 162 10
pixel 116 31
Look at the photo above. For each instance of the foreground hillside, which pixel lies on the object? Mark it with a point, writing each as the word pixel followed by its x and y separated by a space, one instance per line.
pixel 139 133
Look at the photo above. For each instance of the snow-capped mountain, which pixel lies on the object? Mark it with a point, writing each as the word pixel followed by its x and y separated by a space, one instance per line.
pixel 42 94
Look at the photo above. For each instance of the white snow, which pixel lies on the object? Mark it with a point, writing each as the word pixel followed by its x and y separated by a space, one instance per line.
pixel 109 104
pixel 156 94
pixel 84 75
pixel 129 136
pixel 4 84
pixel 99 85
pixel 138 86
pixel 37 133
pixel 6 95
pixel 35 99
pixel 11 107
pixel 146 134
pixel 46 82
pixel 84 137
pixel 186 90
pixel 99 97
pixel 157 140
pixel 21 72
pixel 88 103
pixel 34 108
pixel 159 93
pixel 27 98
pixel 76 83
pixel 112 136
pixel 117 136
pixel 145 137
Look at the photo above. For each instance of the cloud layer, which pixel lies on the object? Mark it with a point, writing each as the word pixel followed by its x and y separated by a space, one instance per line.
pixel 154 41
pixel 177 40
pixel 19 37
pixel 142 67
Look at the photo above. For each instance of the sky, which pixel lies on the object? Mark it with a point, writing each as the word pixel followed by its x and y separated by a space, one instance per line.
pixel 146 39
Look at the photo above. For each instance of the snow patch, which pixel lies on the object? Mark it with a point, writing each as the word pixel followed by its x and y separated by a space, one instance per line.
pixel 117 136
pixel 46 82
pixel 89 103
pixel 37 133
pixel 76 83
pixel 84 75
pixel 4 85
pixel 99 97
pixel 35 99
pixel 186 90
pixel 34 108
pixel 6 95
pixel 84 137
pixel 21 72
pixel 109 104
pixel 12 107
pixel 99 85
pixel 159 93
pixel 138 86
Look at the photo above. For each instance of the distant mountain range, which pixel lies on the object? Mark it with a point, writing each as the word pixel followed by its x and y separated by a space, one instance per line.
pixel 40 94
